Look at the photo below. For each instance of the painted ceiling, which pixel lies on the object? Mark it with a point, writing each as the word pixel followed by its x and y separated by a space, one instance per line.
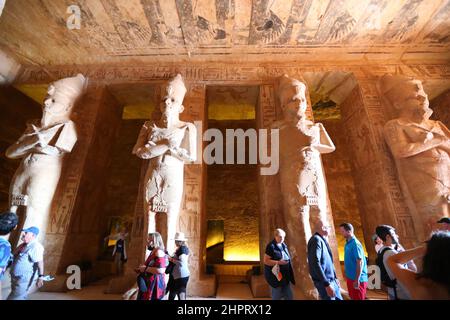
pixel 45 32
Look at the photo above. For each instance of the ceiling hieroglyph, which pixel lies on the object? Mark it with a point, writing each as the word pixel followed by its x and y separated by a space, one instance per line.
pixel 36 32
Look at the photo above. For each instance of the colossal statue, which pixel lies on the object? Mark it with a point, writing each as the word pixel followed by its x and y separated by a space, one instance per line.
pixel 302 180
pixel 421 149
pixel 168 143
pixel 42 148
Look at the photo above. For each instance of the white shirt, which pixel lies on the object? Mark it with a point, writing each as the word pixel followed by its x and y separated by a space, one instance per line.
pixel 402 293
pixel 23 264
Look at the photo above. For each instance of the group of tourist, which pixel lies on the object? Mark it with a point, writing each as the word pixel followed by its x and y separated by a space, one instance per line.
pixel 151 279
pixel 398 271
pixel 26 262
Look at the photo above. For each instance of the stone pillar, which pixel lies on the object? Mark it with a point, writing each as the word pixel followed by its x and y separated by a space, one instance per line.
pixel 84 239
pixel 380 200
pixel 271 212
pixel 192 220
pixel 72 236
pixel 271 204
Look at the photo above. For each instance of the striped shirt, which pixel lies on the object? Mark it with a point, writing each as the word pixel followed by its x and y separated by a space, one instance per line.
pixel 26 257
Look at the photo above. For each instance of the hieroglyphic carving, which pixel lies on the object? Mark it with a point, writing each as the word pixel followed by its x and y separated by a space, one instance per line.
pixel 378 117
pixel 59 220
pixel 190 221
pixel 68 187
pixel 267 107
pixel 191 215
pixel 223 72
pixel 63 204
pixel 271 212
pixel 367 182
pixel 379 196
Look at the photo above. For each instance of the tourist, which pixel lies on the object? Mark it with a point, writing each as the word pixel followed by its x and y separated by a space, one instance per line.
pixel 355 264
pixel 151 279
pixel 444 224
pixel 8 222
pixel 377 242
pixel 179 276
pixel 278 260
pixel 396 291
pixel 433 283
pixel 120 249
pixel 321 267
pixel 28 257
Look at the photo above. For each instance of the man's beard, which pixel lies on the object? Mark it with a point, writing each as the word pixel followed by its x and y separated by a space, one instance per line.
pixel 150 248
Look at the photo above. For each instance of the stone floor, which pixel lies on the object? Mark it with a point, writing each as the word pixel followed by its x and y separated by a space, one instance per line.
pixel 95 291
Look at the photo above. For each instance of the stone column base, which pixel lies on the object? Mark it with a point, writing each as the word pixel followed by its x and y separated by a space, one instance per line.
pixel 205 287
pixel 259 286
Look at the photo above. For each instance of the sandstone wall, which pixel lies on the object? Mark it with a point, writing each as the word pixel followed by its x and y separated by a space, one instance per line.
pixel 15 109
pixel 83 238
pixel 232 196
pixel 123 179
pixel 441 108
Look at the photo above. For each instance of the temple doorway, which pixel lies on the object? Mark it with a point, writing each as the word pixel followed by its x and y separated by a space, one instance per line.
pixel 232 195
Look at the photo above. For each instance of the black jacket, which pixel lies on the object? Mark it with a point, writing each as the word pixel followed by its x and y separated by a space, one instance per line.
pixel 275 253
pixel 320 260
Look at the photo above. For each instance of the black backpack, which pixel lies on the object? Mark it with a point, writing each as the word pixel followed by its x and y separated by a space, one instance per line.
pixel 385 279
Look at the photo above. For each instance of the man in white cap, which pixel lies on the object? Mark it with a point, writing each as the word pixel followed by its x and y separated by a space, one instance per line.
pixel 28 258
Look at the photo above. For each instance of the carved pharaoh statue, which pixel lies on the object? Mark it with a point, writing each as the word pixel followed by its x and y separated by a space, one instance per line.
pixel 302 180
pixel 421 149
pixel 42 148
pixel 168 143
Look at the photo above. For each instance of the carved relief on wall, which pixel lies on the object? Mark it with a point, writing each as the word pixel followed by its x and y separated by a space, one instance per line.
pixel 71 178
pixel 270 207
pixel 421 149
pixel 366 165
pixel 223 72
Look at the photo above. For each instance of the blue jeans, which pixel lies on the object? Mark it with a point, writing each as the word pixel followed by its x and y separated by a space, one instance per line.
pixel 282 292
pixel 323 292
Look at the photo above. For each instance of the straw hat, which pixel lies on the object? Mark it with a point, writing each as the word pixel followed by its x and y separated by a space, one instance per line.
pixel 179 236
